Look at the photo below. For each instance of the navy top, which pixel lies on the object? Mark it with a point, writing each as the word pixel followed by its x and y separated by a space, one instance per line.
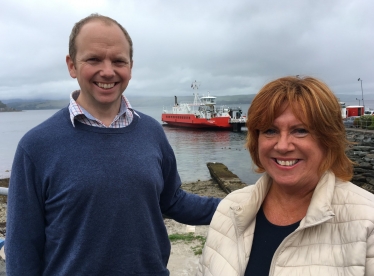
pixel 86 200
pixel 267 238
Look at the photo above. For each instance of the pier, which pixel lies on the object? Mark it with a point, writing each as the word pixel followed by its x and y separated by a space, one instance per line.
pixel 226 180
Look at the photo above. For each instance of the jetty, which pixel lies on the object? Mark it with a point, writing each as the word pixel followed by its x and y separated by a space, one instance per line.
pixel 226 180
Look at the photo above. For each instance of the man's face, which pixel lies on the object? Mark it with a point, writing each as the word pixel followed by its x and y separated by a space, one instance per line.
pixel 102 66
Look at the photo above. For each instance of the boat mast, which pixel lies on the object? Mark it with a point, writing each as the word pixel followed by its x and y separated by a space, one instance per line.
pixel 195 86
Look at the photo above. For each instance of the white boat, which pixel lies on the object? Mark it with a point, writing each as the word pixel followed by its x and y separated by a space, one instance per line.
pixel 203 113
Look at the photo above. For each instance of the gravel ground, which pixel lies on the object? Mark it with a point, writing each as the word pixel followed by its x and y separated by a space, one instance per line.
pixel 183 260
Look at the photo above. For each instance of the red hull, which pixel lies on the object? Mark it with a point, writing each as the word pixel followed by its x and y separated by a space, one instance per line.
pixel 190 120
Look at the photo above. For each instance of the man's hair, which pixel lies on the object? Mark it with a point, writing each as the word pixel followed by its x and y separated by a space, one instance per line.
pixel 94 17
pixel 315 105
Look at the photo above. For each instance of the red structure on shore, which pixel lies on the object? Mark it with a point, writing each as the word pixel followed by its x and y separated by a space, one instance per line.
pixel 354 110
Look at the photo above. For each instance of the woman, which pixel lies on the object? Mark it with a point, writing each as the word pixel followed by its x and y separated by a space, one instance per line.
pixel 303 216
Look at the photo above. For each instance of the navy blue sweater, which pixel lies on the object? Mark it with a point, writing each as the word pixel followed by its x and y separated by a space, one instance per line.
pixel 89 201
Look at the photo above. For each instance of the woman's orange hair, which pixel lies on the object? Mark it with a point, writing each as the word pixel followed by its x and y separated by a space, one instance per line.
pixel 315 105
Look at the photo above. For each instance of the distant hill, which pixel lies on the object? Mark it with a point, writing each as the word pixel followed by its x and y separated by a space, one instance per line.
pixel 136 101
pixel 5 108
pixel 145 101
pixel 38 104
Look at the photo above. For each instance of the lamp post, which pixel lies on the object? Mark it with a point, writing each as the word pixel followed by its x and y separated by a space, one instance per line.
pixel 362 93
pixel 358 101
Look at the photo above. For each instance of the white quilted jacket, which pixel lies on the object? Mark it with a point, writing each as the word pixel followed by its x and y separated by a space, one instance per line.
pixel 336 237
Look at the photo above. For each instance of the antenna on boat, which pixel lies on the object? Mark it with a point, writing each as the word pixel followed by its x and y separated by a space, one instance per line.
pixel 195 85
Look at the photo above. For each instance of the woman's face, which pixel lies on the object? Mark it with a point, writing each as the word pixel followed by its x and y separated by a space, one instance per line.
pixel 290 154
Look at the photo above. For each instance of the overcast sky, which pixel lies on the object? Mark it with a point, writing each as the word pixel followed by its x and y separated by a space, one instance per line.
pixel 230 47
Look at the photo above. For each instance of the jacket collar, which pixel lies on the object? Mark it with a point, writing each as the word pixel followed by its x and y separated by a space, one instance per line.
pixel 245 212
pixel 319 209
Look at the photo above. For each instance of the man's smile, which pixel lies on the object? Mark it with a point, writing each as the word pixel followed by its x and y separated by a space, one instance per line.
pixel 105 85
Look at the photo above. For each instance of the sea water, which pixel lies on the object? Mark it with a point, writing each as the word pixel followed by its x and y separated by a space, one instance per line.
pixel 193 148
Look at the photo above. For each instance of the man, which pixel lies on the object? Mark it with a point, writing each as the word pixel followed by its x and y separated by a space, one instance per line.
pixel 90 185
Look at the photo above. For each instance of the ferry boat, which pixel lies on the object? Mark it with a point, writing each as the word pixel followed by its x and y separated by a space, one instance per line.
pixel 203 113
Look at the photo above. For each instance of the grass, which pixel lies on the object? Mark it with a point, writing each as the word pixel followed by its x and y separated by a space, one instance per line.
pixel 190 237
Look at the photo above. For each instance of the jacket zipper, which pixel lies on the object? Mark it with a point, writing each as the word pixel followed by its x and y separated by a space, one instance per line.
pixel 240 242
pixel 280 247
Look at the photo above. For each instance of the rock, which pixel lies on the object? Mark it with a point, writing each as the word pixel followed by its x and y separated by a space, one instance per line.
pixel 365 165
pixel 370 180
pixel 368 174
pixel 368 187
pixel 358 178
pixel 370 156
pixel 362 153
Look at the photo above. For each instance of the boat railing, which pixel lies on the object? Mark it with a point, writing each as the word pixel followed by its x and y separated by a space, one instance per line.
pixel 239 120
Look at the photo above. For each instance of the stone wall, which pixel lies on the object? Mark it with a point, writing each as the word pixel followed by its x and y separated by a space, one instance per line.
pixel 362 153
